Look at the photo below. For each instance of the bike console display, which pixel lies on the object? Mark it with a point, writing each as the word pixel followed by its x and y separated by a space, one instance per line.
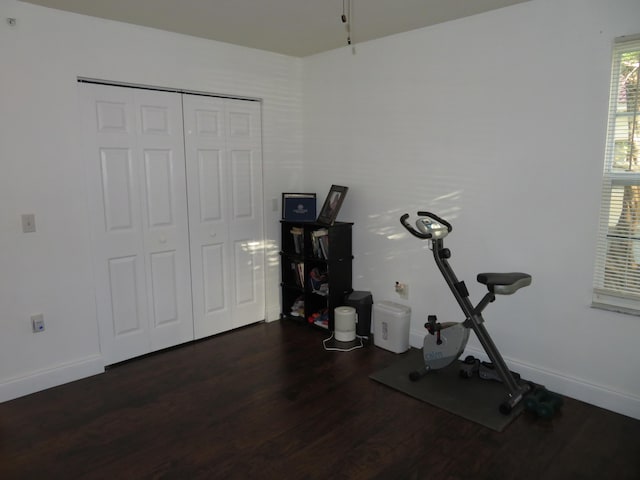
pixel 428 226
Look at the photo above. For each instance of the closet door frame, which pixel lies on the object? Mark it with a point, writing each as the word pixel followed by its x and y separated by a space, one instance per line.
pixel 133 315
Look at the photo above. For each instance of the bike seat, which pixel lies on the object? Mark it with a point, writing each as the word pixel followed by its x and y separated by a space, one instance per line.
pixel 504 283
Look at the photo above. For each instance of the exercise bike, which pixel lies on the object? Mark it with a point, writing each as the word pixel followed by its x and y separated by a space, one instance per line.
pixel 446 341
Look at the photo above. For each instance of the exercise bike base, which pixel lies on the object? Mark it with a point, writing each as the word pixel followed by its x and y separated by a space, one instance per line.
pixel 471 365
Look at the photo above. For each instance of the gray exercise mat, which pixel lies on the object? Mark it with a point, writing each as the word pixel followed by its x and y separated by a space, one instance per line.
pixel 474 399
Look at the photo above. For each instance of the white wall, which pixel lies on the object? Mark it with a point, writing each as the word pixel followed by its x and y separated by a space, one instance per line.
pixel 496 122
pixel 42 171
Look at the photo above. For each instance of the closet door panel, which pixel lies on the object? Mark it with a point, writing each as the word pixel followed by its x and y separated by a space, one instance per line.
pixel 164 288
pixel 246 273
pixel 206 156
pixel 224 177
pixel 159 178
pixel 244 144
pixel 213 262
pixel 124 285
pixel 210 187
pixel 242 188
pixel 135 166
pixel 109 119
pixel 166 228
pixel 116 171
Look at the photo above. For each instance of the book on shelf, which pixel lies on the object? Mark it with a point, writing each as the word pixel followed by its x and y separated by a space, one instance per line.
pixel 298 239
pixel 320 243
pixel 298 273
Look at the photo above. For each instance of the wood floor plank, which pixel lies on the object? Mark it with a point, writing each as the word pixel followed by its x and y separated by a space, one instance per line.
pixel 268 402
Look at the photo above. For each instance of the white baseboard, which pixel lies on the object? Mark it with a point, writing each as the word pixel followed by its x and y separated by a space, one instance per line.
pixel 598 395
pixel 51 377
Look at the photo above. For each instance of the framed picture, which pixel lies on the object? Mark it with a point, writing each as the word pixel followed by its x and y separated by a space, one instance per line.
pixel 332 204
pixel 299 207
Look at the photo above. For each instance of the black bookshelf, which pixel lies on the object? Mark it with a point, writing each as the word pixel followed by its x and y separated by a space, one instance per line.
pixel 316 267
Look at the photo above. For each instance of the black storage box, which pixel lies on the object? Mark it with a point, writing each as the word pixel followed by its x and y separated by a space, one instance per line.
pixel 362 302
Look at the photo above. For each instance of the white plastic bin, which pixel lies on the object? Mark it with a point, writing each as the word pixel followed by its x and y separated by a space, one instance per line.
pixel 391 326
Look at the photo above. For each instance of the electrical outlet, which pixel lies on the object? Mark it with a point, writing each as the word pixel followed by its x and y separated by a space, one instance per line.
pixel 402 289
pixel 37 323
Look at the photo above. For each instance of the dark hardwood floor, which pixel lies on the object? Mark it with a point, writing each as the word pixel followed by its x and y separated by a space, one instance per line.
pixel 267 402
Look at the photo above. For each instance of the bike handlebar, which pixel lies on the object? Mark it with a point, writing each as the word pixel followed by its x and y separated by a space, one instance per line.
pixel 413 231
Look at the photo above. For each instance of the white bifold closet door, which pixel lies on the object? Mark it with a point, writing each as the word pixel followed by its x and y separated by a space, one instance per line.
pixel 177 241
pixel 136 172
pixel 224 176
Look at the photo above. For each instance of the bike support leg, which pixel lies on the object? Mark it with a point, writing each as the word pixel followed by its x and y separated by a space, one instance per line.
pixel 476 323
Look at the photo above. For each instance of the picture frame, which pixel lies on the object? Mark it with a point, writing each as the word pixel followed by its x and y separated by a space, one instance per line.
pixel 299 207
pixel 332 204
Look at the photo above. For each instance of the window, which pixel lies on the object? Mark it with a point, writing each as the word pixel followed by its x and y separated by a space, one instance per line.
pixel 617 272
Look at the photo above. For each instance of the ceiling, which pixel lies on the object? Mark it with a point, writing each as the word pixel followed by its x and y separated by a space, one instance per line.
pixel 291 27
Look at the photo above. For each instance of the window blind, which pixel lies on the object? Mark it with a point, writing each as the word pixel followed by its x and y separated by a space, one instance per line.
pixel 617 266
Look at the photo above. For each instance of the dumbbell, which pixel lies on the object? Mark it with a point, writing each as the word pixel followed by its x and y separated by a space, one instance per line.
pixel 543 402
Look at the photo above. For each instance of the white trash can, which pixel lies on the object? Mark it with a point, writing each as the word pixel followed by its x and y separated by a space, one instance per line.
pixel 391 323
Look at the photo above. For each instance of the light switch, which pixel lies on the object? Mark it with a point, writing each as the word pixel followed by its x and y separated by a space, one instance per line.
pixel 28 223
